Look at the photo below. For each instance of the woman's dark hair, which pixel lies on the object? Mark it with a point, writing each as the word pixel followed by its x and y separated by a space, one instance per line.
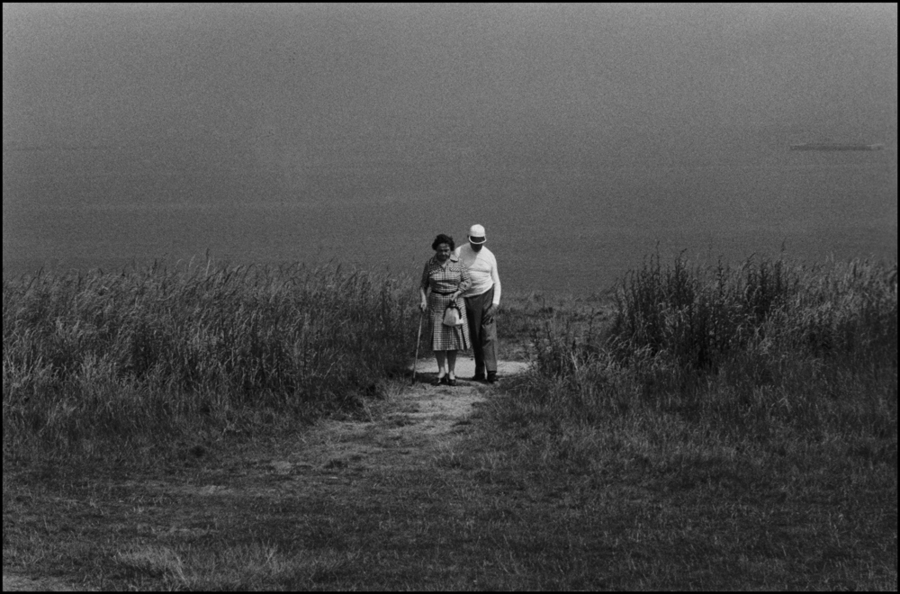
pixel 443 239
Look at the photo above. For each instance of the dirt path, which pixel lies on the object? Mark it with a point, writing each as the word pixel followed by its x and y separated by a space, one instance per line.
pixel 19 583
pixel 414 423
pixel 422 416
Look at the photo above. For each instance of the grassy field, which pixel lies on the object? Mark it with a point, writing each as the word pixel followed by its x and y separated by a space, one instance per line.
pixel 134 359
pixel 730 428
pixel 701 427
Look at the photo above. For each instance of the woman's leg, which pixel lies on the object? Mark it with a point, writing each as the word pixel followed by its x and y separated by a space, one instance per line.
pixel 451 364
pixel 441 357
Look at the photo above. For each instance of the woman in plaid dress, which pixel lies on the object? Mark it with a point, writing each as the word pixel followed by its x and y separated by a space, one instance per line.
pixel 444 280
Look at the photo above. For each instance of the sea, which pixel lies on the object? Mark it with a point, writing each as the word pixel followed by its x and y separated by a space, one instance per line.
pixel 563 214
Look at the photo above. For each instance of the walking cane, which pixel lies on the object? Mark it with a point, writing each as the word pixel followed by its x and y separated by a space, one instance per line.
pixel 418 340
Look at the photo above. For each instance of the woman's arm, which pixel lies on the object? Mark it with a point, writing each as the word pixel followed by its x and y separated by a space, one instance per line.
pixel 465 281
pixel 423 289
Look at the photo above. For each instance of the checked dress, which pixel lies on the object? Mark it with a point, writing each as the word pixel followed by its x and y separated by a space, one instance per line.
pixel 447 278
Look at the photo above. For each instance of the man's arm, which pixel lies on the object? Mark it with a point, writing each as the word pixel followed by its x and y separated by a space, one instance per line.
pixel 490 310
pixel 495 276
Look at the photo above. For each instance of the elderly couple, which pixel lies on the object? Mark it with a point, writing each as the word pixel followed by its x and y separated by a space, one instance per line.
pixel 466 277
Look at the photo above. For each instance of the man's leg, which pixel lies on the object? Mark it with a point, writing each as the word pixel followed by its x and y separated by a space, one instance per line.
pixel 484 336
pixel 489 338
pixel 474 316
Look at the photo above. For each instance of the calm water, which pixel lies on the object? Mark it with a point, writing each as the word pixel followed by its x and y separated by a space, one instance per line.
pixel 563 216
pixel 581 136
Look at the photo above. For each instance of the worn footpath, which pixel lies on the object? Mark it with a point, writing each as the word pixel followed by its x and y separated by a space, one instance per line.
pixel 414 423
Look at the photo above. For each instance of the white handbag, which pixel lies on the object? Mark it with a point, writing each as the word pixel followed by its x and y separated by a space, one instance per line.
pixel 453 316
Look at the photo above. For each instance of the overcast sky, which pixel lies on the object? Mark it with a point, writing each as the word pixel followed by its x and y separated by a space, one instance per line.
pixel 262 75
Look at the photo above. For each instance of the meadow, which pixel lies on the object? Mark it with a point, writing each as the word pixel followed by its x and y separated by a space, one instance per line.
pixel 746 416
pixel 131 356
pixel 725 426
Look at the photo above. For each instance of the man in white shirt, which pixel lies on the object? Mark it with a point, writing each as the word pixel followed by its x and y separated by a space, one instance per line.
pixel 482 301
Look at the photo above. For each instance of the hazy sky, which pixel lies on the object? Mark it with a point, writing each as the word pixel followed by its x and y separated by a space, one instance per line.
pixel 261 74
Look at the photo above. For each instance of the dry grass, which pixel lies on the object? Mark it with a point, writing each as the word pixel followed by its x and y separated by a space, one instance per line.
pixel 128 357
pixel 709 430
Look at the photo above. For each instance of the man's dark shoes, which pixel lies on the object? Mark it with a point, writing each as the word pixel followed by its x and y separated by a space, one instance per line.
pixel 477 378
pixel 492 377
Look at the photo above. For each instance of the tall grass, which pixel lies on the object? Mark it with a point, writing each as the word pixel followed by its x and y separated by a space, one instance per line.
pixel 765 344
pixel 701 317
pixel 742 418
pixel 95 357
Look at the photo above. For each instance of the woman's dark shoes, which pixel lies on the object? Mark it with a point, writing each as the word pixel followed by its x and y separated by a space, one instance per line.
pixel 451 381
pixel 438 381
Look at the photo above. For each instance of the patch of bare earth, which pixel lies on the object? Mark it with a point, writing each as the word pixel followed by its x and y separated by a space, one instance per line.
pixel 414 423
pixel 417 422
pixel 19 583
pixel 407 429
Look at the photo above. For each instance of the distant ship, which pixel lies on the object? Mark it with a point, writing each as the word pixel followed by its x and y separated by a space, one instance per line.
pixel 835 146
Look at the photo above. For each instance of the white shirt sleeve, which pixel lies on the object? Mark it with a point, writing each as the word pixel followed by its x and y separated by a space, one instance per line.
pixel 495 276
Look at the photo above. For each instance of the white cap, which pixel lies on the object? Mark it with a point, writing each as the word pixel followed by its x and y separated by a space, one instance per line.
pixel 476 234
